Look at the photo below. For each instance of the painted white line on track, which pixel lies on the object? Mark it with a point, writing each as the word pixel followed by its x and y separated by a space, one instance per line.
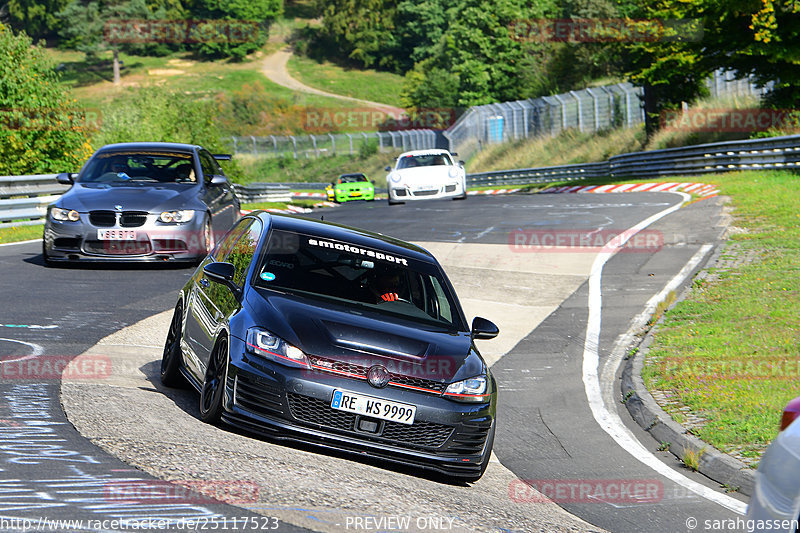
pixel 36 350
pixel 608 420
pixel 20 242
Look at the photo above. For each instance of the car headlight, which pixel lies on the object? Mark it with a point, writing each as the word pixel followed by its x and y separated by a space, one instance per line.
pixel 269 346
pixel 395 177
pixel 468 390
pixel 453 172
pixel 176 217
pixel 64 215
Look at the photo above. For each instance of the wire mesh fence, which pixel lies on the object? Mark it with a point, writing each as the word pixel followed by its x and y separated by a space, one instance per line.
pixel 308 146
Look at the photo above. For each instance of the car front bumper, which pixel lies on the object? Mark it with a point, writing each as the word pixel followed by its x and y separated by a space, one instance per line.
pixel 406 193
pixel 291 403
pixel 79 241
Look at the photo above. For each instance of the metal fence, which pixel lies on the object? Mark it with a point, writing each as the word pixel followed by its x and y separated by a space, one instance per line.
pixel 24 199
pixel 308 146
pixel 586 110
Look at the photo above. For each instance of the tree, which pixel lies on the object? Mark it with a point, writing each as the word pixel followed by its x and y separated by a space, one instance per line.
pixel 37 18
pixel 86 23
pixel 363 29
pixel 478 56
pixel 42 130
pixel 239 27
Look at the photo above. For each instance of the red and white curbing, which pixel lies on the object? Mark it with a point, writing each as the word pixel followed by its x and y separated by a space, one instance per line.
pixel 308 195
pixel 493 191
pixel 292 208
pixel 701 189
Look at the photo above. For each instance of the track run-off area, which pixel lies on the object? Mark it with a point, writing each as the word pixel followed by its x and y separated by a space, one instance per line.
pixel 566 277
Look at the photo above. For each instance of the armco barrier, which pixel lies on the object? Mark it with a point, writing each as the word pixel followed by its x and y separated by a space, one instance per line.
pixel 23 199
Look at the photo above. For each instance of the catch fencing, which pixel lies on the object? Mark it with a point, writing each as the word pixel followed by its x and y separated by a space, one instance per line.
pixel 308 146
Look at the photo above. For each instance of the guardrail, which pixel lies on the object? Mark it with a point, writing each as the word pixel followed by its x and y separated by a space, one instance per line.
pixel 24 199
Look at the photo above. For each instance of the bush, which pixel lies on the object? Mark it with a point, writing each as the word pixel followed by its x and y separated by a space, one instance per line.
pixel 42 130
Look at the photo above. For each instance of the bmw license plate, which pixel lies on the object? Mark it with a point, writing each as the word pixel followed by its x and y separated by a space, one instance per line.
pixel 116 235
pixel 373 407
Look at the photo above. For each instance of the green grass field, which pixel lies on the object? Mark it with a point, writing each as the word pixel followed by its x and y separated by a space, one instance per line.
pixel 373 85
pixel 21 233
pixel 731 351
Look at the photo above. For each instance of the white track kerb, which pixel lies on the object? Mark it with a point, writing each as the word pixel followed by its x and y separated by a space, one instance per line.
pixel 608 419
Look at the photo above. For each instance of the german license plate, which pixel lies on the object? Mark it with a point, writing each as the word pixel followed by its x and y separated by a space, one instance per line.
pixel 355 193
pixel 116 235
pixel 373 407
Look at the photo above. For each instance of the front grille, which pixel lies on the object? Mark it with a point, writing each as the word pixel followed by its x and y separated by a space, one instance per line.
pixel 426 193
pixel 449 188
pixel 132 219
pixel 169 245
pixel 104 219
pixel 360 371
pixel 399 192
pixel 67 242
pixel 418 435
pixel 257 395
pixel 117 247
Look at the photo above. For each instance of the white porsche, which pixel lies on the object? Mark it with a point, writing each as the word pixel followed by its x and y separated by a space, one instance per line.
pixel 426 174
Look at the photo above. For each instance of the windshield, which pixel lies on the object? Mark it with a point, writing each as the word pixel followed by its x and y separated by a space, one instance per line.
pixel 411 161
pixel 367 278
pixel 153 167
pixel 353 178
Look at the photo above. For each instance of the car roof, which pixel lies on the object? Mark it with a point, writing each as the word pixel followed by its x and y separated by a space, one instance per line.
pixel 340 232
pixel 352 174
pixel 150 146
pixel 432 151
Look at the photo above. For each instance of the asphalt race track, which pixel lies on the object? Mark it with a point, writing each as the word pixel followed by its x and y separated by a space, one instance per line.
pixel 548 428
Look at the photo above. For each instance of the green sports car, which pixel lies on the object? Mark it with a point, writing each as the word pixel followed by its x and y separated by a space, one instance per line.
pixel 350 187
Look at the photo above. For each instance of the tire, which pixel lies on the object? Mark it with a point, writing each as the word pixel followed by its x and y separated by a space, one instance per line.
pixel 213 390
pixel 463 196
pixel 45 257
pixel 171 358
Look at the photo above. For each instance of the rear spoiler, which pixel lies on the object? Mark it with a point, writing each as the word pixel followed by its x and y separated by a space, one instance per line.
pixel 222 157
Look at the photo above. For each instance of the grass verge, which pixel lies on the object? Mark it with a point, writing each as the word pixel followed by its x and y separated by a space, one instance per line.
pixel 21 233
pixel 366 84
pixel 730 352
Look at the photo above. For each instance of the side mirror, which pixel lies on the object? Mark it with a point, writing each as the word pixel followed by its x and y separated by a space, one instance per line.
pixel 483 329
pixel 65 178
pixel 373 181
pixel 218 179
pixel 388 168
pixel 461 163
pixel 453 153
pixel 222 273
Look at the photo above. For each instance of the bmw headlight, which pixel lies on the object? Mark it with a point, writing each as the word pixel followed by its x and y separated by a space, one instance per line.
pixel 269 346
pixel 468 390
pixel 176 217
pixel 64 215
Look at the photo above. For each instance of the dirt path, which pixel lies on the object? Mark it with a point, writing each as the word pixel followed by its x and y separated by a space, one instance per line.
pixel 274 68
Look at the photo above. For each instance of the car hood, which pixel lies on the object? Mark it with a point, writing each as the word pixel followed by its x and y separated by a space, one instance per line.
pixel 438 172
pixel 85 197
pixel 341 334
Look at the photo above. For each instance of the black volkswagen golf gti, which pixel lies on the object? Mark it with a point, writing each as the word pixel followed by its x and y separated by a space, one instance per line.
pixel 307 330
